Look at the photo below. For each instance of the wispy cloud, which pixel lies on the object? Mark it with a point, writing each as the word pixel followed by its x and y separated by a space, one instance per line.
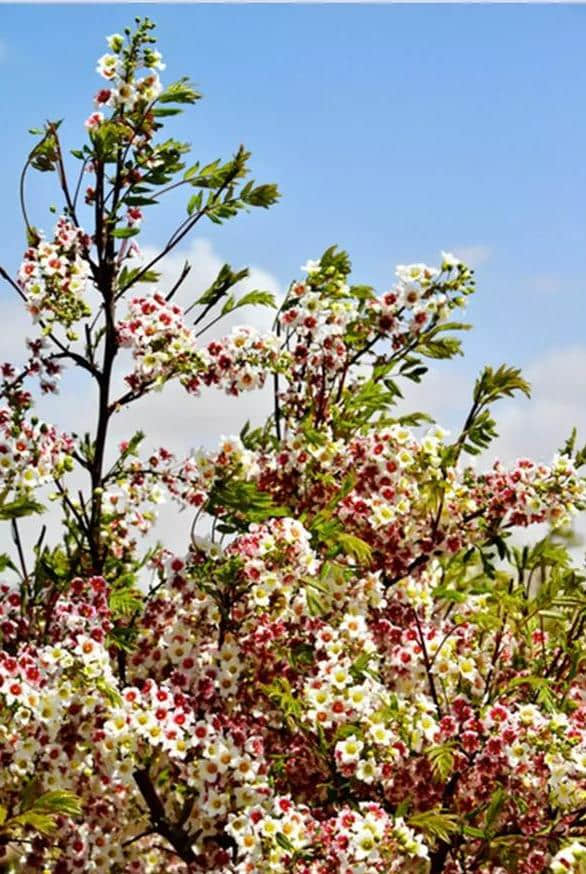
pixel 474 255
pixel 551 284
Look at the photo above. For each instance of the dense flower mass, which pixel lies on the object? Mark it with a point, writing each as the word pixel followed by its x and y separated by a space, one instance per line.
pixel 32 453
pixel 352 667
pixel 53 275
pixel 163 347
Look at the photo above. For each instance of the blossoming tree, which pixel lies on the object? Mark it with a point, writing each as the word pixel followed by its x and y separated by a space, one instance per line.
pixel 358 671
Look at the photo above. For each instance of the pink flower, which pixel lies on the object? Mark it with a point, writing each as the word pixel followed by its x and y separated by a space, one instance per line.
pixel 94 120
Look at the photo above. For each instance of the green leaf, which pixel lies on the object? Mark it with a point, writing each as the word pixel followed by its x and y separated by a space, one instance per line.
pixel 194 202
pixel 502 382
pixel 126 277
pixel 262 195
pixel 497 801
pixel 20 507
pixel 124 233
pixel 359 667
pixel 240 502
pixel 442 761
pixel 435 824
pixel 42 813
pixel 256 298
pixel 445 347
pixel 355 547
pixel 179 92
pixel 111 695
pixel 281 693
pixel 315 605
pixel 347 729
pixel 58 801
pixel 223 282
pixel 139 200
pixel 6 562
pixel 125 601
pixel 164 112
pixel 44 823
pixel 191 172
pixel 284 842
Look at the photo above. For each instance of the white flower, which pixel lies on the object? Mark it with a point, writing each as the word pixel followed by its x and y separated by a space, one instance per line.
pixel 348 751
pixel 107 66
pixel 367 771
pixel 449 261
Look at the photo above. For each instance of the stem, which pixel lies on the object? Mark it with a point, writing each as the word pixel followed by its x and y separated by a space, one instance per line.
pixel 63 177
pixel 182 277
pixel 276 391
pixel 104 412
pixel 428 666
pixel 179 839
pixel 18 542
pixel 105 283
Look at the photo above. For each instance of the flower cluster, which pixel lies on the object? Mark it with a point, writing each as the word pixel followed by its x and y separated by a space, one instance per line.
pixel 162 344
pixel 243 360
pixel 53 276
pixel 163 347
pixel 126 91
pixel 32 453
pixel 330 325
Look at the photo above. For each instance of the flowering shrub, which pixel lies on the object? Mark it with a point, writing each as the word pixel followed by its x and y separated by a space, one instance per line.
pixel 356 670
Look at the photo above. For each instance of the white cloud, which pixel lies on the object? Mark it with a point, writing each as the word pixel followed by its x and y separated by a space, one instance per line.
pixel 533 427
pixel 205 263
pixel 474 255
pixel 539 426
pixel 16 325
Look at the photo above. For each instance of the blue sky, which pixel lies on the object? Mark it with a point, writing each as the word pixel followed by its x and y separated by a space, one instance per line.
pixel 392 130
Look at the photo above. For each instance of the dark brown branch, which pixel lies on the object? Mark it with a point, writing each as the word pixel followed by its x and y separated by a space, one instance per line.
pixel 183 276
pixel 179 839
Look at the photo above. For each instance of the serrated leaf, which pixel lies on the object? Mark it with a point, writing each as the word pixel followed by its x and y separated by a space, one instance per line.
pixel 179 92
pixel 125 601
pixel 441 759
pixel 41 822
pixel 256 298
pixel 58 801
pixel 263 196
pixel 435 824
pixel 355 547
pixel 502 382
pixel 19 508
